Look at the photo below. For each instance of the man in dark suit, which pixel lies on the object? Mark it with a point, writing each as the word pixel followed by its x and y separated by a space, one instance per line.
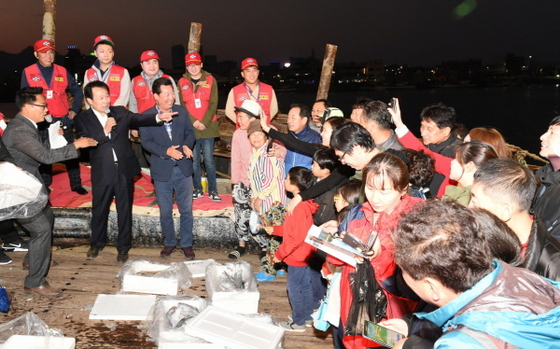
pixel 113 164
pixel 172 167
pixel 24 144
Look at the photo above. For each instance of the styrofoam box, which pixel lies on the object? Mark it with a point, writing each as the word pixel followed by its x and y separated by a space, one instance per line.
pixel 198 267
pixel 234 331
pixel 175 345
pixel 122 307
pixel 146 284
pixel 164 334
pixel 241 302
pixel 39 342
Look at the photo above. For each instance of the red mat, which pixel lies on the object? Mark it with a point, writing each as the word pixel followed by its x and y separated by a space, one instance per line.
pixel 144 196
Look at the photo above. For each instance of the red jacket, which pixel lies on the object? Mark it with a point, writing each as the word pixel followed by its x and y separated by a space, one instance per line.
pixel 293 250
pixel 359 223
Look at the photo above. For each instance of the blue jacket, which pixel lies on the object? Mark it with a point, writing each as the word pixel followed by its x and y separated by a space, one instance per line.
pixel 295 158
pixel 156 140
pixel 507 305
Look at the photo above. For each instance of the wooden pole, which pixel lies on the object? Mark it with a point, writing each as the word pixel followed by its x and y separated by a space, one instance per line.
pixel 194 37
pixel 326 72
pixel 49 17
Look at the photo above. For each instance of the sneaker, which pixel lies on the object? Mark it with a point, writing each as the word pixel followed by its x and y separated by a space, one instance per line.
pixel 281 272
pixel 4 259
pixel 197 194
pixel 167 251
pixel 290 326
pixel 237 253
pixel 214 197
pixel 19 246
pixel 264 277
pixel 308 323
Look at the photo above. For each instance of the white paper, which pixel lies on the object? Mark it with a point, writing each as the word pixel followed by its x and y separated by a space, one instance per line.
pixel 324 241
pixel 55 139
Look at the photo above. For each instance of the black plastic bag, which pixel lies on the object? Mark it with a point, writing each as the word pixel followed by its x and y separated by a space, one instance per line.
pixel 368 300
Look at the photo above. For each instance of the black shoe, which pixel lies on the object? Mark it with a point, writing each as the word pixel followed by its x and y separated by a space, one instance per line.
pixel 4 259
pixel 93 251
pixel 80 190
pixel 122 256
pixel 17 246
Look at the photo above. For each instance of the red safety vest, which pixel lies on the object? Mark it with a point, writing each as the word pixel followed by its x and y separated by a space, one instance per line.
pixel 204 93
pixel 264 98
pixel 143 93
pixel 58 104
pixel 113 81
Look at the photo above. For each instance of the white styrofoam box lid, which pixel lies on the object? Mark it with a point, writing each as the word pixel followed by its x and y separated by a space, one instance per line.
pixel 178 345
pixel 122 307
pixel 35 342
pixel 198 267
pixel 233 330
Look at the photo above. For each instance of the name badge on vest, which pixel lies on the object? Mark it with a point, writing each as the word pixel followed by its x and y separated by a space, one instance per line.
pixel 197 103
pixel 49 94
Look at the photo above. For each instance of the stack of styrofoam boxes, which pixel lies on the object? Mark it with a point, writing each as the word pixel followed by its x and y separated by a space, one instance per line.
pixel 222 293
pixel 132 282
pixel 234 331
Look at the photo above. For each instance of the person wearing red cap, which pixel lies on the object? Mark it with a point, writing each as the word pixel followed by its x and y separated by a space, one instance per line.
pixel 252 89
pixel 104 69
pixel 55 80
pixel 199 94
pixel 141 98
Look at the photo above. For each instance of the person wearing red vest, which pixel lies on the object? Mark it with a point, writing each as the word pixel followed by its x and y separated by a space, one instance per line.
pixel 55 80
pixel 199 94
pixel 252 89
pixel 142 99
pixel 104 69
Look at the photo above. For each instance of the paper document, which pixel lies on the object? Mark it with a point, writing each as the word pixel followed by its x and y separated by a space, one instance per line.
pixel 331 245
pixel 55 139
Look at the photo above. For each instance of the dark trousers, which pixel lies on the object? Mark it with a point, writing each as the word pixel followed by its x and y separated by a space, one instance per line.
pixel 8 232
pixel 300 293
pixel 121 189
pixel 39 228
pixel 72 165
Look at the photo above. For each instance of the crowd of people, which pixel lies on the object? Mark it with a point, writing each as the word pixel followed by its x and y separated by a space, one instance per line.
pixel 459 241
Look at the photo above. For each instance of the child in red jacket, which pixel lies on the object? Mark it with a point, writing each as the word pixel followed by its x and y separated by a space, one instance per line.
pixel 297 254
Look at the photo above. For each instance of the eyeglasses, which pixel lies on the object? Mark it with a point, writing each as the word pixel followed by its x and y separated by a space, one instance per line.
pixel 338 198
pixel 39 105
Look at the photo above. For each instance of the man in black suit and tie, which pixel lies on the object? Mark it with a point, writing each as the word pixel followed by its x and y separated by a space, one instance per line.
pixel 113 164
pixel 24 145
pixel 172 167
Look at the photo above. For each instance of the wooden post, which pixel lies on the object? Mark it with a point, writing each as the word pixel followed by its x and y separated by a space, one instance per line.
pixel 194 37
pixel 326 72
pixel 49 17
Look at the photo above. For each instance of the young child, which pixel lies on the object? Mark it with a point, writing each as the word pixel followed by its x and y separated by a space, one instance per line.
pixel 297 254
pixel 324 162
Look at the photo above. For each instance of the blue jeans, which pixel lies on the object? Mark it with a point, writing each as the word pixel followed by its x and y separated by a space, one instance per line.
pixel 207 145
pixel 183 192
pixel 300 293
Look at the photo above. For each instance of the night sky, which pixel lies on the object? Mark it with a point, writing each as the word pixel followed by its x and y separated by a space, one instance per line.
pixel 415 32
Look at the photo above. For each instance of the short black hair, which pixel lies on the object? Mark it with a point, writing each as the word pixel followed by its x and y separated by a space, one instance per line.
pixel 304 111
pixel 324 101
pixel 326 159
pixel 442 115
pixel 377 111
pixel 361 103
pixel 27 95
pixel 421 168
pixel 350 134
pixel 156 87
pixel 443 240
pixel 89 87
pixel 555 121
pixel 507 179
pixel 301 177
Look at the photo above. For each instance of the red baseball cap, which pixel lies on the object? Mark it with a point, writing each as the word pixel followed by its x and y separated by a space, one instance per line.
pixel 43 45
pixel 147 55
pixel 192 58
pixel 103 39
pixel 249 62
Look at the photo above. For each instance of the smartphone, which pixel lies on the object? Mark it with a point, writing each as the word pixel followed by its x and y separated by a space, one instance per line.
pixel 381 335
pixel 353 241
pixel 393 104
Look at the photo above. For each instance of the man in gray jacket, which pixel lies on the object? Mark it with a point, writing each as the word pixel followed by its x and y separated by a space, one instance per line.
pixel 24 145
